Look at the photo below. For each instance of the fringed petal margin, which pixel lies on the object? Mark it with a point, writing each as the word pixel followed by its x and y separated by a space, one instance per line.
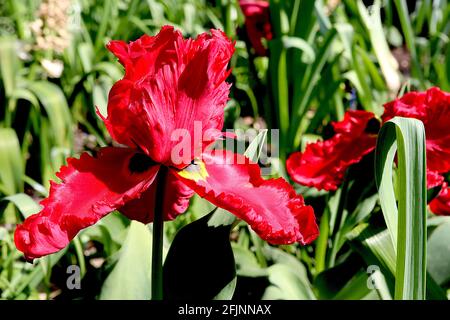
pixel 323 164
pixel 271 207
pixel 90 188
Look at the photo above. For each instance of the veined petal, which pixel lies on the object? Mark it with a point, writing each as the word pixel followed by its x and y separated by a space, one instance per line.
pixel 441 204
pixel 323 164
pixel 90 188
pixel 271 207
pixel 173 92
pixel 176 200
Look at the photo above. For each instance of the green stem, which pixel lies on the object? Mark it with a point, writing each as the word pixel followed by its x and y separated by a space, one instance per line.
pixel 229 28
pixel 158 236
pixel 339 222
pixel 405 22
pixel 322 241
pixel 18 14
pixel 103 28
pixel 257 241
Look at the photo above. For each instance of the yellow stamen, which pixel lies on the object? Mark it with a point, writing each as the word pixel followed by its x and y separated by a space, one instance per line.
pixel 196 171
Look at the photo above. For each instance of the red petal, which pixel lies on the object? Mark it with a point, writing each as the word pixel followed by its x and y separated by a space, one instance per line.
pixel 271 207
pixel 323 164
pixel 437 130
pixel 441 204
pixel 89 189
pixel 176 200
pixel 257 23
pixel 432 107
pixel 171 87
pixel 410 105
pixel 434 179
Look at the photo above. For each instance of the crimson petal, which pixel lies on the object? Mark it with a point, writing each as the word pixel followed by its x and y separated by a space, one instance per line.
pixel 410 105
pixel 434 179
pixel 174 90
pixel 90 188
pixel 257 23
pixel 441 204
pixel 271 207
pixel 432 107
pixel 323 164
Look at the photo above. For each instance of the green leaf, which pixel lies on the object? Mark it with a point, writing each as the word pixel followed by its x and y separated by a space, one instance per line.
pixel 281 257
pixel 131 277
pixel 200 262
pixel 331 281
pixel 280 84
pixel 35 277
pixel 288 277
pixel 9 64
pixel 86 54
pixel 373 24
pixel 26 205
pixel 407 225
pixel 439 254
pixel 378 243
pixel 227 292
pixel 377 249
pixel 11 164
pixel 286 285
pixel 298 43
pixel 405 22
pixel 100 92
pixel 355 289
pixel 246 263
pixel 362 211
pixel 303 94
pixel 54 102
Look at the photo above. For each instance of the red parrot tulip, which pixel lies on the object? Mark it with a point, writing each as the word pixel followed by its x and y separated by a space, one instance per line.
pixel 171 85
pixel 433 109
pixel 257 23
pixel 322 164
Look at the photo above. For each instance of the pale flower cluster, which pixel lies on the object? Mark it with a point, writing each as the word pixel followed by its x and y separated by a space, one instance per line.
pixel 50 29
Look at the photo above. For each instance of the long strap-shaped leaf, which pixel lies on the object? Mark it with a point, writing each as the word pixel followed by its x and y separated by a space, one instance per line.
pixel 407 225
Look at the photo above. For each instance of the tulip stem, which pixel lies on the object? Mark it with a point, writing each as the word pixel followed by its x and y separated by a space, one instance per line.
pixel 158 237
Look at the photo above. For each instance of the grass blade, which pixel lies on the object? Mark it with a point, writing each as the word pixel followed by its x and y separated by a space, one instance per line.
pixel 11 164
pixel 402 9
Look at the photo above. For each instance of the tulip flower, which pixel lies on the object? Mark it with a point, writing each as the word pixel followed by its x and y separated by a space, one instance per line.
pixel 323 164
pixel 172 88
pixel 257 23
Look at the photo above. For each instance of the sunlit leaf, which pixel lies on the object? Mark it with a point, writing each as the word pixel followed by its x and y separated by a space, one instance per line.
pixel 407 225
pixel 131 277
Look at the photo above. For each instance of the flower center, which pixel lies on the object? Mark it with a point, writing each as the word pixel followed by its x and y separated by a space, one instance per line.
pixel 140 162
